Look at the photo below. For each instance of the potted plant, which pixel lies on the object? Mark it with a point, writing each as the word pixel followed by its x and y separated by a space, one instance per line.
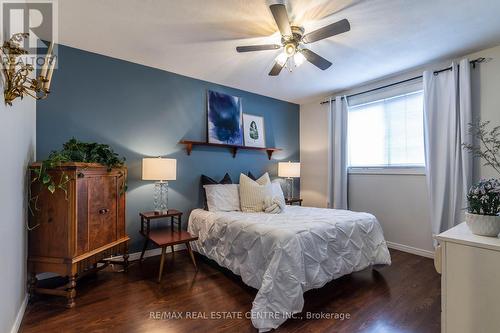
pixel 484 202
pixel 72 151
pixel 482 216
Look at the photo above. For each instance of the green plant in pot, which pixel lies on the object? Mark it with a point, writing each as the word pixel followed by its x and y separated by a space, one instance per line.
pixel 72 151
pixel 483 211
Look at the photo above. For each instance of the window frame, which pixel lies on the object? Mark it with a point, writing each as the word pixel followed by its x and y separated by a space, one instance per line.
pixel 388 170
pixel 392 169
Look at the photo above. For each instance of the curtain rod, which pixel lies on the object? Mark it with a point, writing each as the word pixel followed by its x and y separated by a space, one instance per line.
pixel 472 62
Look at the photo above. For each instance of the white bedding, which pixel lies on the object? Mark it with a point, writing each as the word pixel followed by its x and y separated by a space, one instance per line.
pixel 284 255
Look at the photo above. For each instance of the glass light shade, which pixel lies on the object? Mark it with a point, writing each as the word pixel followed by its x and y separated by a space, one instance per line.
pixel 289 169
pixel 299 59
pixel 289 49
pixel 159 169
pixel 281 59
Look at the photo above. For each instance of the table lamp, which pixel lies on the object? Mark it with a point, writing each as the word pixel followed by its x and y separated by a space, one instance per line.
pixel 161 170
pixel 289 170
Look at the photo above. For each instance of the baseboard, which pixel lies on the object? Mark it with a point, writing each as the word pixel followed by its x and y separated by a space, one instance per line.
pixel 411 249
pixel 20 315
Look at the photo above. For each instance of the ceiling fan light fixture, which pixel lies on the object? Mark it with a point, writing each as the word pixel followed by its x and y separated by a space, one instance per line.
pixel 281 59
pixel 290 49
pixel 298 59
pixel 293 38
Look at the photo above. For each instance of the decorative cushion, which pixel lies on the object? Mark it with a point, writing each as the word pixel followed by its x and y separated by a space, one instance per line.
pixel 278 191
pixel 222 197
pixel 205 180
pixel 253 193
pixel 251 176
pixel 275 204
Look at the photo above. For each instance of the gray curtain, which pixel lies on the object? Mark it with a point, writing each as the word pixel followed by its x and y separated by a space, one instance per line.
pixel 447 113
pixel 337 154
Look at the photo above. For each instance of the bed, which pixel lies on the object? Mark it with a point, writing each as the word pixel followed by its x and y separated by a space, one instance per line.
pixel 284 255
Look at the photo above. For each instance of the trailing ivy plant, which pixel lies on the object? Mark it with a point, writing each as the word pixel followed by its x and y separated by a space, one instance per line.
pixel 73 151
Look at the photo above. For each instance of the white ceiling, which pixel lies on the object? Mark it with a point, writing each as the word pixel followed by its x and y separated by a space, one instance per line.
pixel 197 38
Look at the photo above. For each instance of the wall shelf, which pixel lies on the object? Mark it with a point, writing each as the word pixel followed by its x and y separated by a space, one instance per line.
pixel 233 148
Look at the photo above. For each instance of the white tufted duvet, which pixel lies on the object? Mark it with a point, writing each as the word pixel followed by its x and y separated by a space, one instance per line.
pixel 284 255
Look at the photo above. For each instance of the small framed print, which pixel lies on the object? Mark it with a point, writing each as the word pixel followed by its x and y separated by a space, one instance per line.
pixel 253 131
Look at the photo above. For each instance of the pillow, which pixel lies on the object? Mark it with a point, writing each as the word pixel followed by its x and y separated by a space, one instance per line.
pixel 253 193
pixel 205 180
pixel 222 197
pixel 274 205
pixel 251 176
pixel 278 191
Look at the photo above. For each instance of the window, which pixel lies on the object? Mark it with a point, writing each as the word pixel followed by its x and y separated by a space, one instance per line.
pixel 387 132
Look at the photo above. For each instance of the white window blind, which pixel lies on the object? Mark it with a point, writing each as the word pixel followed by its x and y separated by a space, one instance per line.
pixel 387 132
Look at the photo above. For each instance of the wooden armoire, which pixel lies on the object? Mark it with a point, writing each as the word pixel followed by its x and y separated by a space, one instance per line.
pixel 78 226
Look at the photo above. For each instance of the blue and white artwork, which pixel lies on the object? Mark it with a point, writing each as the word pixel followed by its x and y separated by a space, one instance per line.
pixel 225 120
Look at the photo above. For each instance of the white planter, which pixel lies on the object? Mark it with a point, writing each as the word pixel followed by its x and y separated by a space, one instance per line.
pixel 483 225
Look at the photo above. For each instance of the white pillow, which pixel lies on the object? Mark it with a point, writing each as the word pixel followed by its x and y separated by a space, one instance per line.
pixel 222 197
pixel 253 193
pixel 278 191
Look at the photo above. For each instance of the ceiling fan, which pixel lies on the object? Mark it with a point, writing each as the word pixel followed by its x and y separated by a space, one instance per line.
pixel 293 40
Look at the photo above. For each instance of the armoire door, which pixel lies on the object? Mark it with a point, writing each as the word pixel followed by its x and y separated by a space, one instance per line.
pixel 102 205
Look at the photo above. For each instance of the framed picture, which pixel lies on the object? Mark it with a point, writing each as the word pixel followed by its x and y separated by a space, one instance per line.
pixel 253 129
pixel 224 119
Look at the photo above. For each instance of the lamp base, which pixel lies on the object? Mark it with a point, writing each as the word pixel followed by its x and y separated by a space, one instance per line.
pixel 290 186
pixel 161 198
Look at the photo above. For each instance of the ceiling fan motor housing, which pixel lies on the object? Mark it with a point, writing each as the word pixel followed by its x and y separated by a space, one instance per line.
pixel 295 38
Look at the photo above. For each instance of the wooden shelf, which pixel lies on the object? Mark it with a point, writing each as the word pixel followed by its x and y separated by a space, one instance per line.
pixel 234 148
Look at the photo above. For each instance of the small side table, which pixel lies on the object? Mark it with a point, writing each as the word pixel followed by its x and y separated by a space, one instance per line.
pixel 165 237
pixel 293 201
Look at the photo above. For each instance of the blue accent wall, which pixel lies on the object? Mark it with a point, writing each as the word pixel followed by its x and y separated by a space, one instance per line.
pixel 142 112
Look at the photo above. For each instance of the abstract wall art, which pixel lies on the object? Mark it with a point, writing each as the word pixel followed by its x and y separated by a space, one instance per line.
pixel 225 122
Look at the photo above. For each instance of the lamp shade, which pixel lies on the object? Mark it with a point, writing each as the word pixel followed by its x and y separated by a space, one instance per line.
pixel 289 169
pixel 157 168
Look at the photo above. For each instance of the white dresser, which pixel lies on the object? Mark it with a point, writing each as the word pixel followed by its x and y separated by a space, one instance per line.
pixel 470 281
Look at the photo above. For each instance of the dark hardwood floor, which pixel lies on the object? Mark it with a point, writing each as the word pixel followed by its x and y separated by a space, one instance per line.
pixel 403 297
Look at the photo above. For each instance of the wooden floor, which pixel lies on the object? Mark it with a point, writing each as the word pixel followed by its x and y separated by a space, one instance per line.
pixel 404 297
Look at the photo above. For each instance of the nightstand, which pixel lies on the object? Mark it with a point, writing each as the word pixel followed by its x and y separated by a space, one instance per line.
pixel 165 237
pixel 293 201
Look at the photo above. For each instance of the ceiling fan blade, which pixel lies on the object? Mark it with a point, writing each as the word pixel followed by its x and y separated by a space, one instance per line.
pixel 281 18
pixel 275 71
pixel 263 47
pixel 315 59
pixel 327 31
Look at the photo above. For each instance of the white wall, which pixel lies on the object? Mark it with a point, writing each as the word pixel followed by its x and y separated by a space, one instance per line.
pixel 313 154
pixel 17 150
pixel 399 201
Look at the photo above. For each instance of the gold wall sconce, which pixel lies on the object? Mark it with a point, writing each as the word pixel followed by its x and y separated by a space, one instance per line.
pixel 17 74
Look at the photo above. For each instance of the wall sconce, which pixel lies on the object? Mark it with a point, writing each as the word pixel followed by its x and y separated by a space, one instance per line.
pixel 17 81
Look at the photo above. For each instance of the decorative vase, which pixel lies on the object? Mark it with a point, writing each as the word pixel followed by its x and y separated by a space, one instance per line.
pixel 483 225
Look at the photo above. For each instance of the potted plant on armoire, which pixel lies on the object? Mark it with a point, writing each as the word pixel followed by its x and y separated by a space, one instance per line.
pixel 77 214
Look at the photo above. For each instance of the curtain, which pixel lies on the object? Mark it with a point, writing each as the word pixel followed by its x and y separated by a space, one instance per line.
pixel 337 153
pixel 447 113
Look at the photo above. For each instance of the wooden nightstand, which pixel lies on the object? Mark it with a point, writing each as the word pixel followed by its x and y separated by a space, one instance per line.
pixel 165 237
pixel 293 201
